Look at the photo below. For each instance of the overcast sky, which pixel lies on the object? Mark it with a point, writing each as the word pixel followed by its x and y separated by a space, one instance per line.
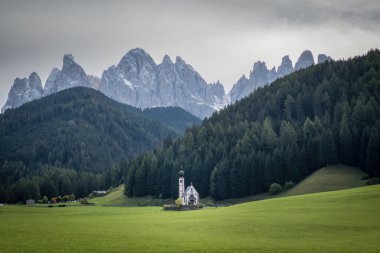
pixel 220 39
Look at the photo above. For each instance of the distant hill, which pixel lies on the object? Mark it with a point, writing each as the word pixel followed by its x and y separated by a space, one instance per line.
pixel 330 178
pixel 81 128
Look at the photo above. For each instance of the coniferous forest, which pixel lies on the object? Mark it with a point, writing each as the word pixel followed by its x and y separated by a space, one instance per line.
pixel 323 115
pixel 76 141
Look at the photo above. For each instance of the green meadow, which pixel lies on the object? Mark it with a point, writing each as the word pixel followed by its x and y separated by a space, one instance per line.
pixel 335 221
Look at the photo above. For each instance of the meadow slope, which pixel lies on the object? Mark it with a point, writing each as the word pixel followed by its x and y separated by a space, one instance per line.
pixel 337 221
pixel 330 178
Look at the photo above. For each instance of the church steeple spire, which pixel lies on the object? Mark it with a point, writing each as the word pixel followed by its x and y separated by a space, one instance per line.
pixel 181 185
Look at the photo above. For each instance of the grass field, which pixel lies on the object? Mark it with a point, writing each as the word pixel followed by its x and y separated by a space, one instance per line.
pixel 337 221
pixel 330 178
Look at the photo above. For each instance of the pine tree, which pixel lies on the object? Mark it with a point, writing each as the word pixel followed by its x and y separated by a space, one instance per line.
pixel 327 149
pixel 347 155
pixel 373 151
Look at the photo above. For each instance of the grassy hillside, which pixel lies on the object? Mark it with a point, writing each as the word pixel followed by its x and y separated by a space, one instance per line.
pixel 330 178
pixel 117 198
pixel 338 221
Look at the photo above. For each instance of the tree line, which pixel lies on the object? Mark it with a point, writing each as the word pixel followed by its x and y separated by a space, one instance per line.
pixel 19 183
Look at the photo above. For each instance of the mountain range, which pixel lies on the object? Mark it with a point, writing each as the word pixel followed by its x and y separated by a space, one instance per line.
pixel 139 81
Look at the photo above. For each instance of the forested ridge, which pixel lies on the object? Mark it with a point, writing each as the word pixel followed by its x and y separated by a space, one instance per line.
pixel 77 141
pixel 323 115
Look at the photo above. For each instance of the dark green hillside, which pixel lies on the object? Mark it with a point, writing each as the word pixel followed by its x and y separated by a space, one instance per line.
pixel 175 117
pixel 323 115
pixel 79 128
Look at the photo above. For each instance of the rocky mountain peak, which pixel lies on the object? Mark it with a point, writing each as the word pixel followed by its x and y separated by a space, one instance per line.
pixel 259 73
pixel 305 60
pixel 135 60
pixel 35 81
pixel 323 58
pixel 286 67
pixel 68 60
pixel 166 60
pixel 180 61
pixel 24 90
pixel 242 78
pixel 258 67
pixel 71 75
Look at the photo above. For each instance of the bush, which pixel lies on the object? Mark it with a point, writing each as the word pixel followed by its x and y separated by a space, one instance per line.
pixel 373 180
pixel 45 199
pixel 178 202
pixel 72 197
pixel 65 198
pixel 58 199
pixel 50 206
pixel 53 200
pixel 288 185
pixel 40 201
pixel 84 201
pixel 275 188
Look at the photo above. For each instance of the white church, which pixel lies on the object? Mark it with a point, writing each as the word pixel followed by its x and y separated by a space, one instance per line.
pixel 190 196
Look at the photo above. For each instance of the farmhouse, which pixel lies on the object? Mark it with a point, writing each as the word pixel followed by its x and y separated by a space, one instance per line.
pixel 190 196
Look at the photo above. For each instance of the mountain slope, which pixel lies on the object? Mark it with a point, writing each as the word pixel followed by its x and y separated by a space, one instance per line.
pixel 174 117
pixel 330 178
pixel 81 128
pixel 326 114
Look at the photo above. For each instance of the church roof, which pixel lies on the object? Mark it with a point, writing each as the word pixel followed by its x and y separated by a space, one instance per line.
pixel 188 188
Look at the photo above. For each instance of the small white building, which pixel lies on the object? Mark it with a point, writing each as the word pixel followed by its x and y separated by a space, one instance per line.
pixel 190 196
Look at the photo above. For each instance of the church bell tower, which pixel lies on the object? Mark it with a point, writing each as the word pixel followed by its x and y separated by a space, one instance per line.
pixel 181 186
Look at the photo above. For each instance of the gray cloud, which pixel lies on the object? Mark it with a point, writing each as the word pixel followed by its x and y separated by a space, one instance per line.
pixel 221 39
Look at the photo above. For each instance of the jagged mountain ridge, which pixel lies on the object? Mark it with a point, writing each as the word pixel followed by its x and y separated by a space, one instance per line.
pixel 138 81
pixel 261 75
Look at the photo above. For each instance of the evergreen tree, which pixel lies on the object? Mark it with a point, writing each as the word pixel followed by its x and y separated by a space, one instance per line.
pixel 373 151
